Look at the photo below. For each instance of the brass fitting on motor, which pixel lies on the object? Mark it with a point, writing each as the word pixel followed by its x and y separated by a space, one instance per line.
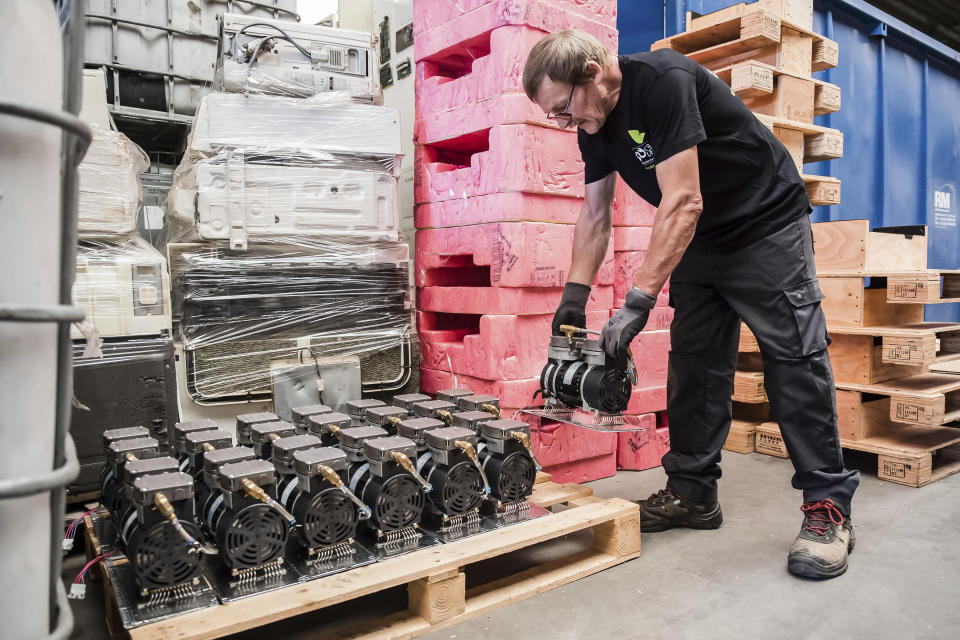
pixel 334 430
pixel 471 452
pixel 524 439
pixel 405 462
pixel 334 478
pixel 163 505
pixel 130 457
pixel 253 490
pixel 208 447
pixel 491 408
pixel 445 415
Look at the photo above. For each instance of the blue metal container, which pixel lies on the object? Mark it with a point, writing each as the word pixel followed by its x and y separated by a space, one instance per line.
pixel 900 117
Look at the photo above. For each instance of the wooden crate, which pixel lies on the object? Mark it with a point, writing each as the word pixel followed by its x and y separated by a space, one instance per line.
pixel 725 37
pixel 791 98
pixel 436 578
pixel 823 191
pixel 748 343
pixel 742 437
pixel 748 387
pixel 928 399
pixel 850 247
pixel 850 302
pixel 769 440
pixel 927 287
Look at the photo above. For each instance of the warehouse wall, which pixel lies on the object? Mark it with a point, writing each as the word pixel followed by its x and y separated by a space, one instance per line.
pixel 900 117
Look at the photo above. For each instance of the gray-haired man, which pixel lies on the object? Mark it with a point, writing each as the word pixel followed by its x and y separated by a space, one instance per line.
pixel 732 232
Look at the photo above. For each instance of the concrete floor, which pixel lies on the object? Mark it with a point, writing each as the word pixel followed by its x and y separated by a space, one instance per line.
pixel 903 582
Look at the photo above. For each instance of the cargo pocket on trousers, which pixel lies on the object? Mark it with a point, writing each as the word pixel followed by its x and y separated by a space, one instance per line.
pixel 811 323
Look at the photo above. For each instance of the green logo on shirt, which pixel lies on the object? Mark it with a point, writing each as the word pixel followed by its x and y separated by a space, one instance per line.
pixel 637 136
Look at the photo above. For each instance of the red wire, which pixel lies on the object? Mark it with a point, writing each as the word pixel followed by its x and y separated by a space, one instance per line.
pixel 73 525
pixel 79 578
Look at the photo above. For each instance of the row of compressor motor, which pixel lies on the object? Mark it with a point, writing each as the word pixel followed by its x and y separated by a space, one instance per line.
pixel 313 484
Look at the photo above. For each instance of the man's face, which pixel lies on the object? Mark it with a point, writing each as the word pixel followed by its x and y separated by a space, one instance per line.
pixel 585 106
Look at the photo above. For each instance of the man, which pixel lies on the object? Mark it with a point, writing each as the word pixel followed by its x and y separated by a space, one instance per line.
pixel 732 231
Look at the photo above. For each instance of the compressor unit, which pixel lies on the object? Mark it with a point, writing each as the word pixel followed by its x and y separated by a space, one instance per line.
pixel 452 466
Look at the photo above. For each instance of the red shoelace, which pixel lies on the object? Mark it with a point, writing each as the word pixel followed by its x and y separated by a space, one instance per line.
pixel 819 516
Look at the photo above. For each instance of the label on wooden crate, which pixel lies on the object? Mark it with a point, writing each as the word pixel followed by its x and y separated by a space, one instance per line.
pixel 894 469
pixel 771 444
pixel 909 290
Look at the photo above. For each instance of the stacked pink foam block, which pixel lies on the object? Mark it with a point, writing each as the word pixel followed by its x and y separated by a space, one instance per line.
pixel 497 189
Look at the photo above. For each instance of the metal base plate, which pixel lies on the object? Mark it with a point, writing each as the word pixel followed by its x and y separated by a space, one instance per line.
pixel 347 556
pixel 458 529
pixel 250 582
pixel 160 604
pixel 415 538
pixel 497 517
pixel 586 419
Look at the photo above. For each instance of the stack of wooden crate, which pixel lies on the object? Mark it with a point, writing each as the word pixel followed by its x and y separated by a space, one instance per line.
pixel 767 52
pixel 876 285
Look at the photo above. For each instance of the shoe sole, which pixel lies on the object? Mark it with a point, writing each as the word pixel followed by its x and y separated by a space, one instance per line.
pixel 808 567
pixel 711 520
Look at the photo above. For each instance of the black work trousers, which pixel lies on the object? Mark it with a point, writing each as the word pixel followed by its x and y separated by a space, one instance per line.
pixel 772 285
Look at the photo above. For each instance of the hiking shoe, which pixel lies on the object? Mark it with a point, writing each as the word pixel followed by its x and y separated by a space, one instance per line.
pixel 666 510
pixel 825 540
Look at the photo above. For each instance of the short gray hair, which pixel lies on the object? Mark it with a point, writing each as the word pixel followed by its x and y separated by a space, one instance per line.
pixel 562 57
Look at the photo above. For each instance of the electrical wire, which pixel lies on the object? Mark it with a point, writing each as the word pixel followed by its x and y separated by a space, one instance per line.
pixel 72 529
pixel 86 567
pixel 285 36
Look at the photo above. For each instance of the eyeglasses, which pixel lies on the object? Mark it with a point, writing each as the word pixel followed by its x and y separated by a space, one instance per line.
pixel 564 118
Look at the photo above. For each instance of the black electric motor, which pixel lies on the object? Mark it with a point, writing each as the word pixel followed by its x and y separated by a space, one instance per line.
pixel 265 433
pixel 579 373
pixel 120 450
pixel 208 490
pixel 246 421
pixel 507 459
pixel 282 451
pixel 386 417
pixel 326 511
pixel 472 419
pixel 452 467
pixel 158 535
pixel 196 443
pixel 326 426
pixel 407 400
pixel 357 409
pixel 388 482
pixel 299 415
pixel 249 525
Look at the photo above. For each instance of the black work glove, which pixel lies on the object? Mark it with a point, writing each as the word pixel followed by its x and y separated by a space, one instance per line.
pixel 625 324
pixel 572 309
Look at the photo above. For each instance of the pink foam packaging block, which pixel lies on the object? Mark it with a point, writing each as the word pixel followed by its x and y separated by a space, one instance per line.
pixel 558 443
pixel 647 400
pixel 512 393
pixel 471 71
pixel 629 209
pixel 491 347
pixel 626 264
pixel 631 238
pixel 504 300
pixel 428 14
pixel 512 108
pixel 504 158
pixel 584 470
pixel 651 350
pixel 640 450
pixel 506 254
pixel 498 207
pixel 440 23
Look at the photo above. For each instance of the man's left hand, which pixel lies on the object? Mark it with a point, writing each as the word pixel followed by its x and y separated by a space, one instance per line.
pixel 625 324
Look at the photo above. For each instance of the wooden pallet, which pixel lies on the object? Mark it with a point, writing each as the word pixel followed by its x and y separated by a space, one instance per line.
pixel 796 13
pixel 928 399
pixel 850 301
pixel 927 287
pixel 918 344
pixel 435 577
pixel 748 342
pixel 748 387
pixel 823 191
pixel 914 456
pixel 754 79
pixel 732 35
pixel 816 143
pixel 849 247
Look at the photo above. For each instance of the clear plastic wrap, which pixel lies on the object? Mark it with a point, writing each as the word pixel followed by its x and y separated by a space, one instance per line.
pixel 123 286
pixel 290 299
pixel 109 185
pixel 257 56
pixel 269 125
pixel 235 196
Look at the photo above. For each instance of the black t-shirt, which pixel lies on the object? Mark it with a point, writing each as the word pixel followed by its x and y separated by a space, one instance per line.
pixel 749 183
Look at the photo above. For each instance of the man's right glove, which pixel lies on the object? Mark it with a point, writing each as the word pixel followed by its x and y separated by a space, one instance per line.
pixel 572 309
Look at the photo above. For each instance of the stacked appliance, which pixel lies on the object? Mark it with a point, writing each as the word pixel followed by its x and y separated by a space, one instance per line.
pixel 290 278
pixel 123 351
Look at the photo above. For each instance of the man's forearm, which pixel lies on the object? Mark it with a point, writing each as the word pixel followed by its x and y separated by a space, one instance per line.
pixel 673 229
pixel 591 237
